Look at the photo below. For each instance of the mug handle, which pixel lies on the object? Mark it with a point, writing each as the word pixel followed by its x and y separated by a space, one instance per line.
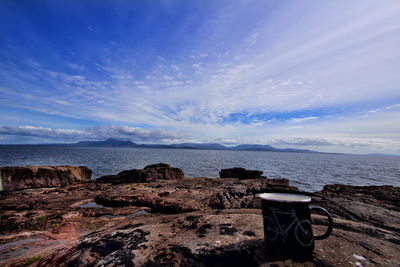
pixel 330 225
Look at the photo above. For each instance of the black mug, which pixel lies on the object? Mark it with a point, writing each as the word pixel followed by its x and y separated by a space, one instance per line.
pixel 287 223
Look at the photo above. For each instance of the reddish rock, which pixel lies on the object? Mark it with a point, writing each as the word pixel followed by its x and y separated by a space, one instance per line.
pixel 240 173
pixel 191 194
pixel 214 238
pixel 189 222
pixel 17 178
pixel 158 202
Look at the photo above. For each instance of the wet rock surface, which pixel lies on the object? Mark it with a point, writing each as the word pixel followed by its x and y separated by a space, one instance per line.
pixel 189 222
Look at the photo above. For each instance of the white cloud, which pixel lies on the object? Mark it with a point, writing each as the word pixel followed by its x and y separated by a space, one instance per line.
pixel 76 66
pixel 38 131
pixel 298 120
pixel 175 67
pixel 94 133
pixel 335 56
pixel 199 56
pixel 32 63
pixel 252 39
pixel 197 66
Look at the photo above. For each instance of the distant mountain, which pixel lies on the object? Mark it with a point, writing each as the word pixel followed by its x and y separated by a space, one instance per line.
pixel 383 155
pixel 267 148
pixel 254 147
pixel 112 142
pixel 199 146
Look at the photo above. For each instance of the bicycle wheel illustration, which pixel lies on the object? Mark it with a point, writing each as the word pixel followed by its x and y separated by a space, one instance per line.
pixel 270 229
pixel 303 233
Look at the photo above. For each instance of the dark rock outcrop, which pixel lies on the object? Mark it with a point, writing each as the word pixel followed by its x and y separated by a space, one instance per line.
pixel 150 173
pixel 240 173
pixel 17 178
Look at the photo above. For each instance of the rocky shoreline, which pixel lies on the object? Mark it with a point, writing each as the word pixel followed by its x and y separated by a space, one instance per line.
pixel 58 216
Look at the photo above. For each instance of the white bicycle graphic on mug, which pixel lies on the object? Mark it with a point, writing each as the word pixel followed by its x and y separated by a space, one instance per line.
pixel 303 230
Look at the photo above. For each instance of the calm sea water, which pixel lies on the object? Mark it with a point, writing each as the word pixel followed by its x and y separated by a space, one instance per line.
pixel 308 171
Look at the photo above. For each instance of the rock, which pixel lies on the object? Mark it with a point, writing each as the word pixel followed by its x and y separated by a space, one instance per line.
pixel 191 194
pixel 194 239
pixel 148 199
pixel 189 222
pixel 212 238
pixel 21 209
pixel 240 173
pixel 153 172
pixel 371 205
pixel 111 249
pixel 162 171
pixel 17 178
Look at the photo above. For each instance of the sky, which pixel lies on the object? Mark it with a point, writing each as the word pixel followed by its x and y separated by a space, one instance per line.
pixel 320 75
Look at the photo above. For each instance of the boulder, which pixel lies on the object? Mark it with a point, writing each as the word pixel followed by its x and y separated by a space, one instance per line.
pixel 150 173
pixel 240 173
pixel 162 171
pixel 18 178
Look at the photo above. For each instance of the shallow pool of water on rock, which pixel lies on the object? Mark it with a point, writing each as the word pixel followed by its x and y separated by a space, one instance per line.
pixel 90 204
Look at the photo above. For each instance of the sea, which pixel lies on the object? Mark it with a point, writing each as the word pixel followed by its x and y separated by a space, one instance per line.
pixel 308 171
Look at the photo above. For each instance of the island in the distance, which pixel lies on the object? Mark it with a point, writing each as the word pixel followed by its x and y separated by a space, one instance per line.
pixel 113 142
pixel 59 216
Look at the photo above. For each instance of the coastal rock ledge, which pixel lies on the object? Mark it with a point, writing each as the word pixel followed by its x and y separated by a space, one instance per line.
pixel 171 220
pixel 18 178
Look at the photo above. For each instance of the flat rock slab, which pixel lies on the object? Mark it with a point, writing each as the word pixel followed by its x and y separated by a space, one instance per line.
pixel 191 194
pixel 227 238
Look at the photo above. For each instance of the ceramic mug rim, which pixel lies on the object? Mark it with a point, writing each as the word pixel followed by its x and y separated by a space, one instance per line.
pixel 285 198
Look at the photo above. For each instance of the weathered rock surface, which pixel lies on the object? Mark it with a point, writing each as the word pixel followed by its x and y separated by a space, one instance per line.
pixel 189 222
pixel 212 238
pixel 240 173
pixel 191 194
pixel 150 173
pixel 17 178
pixel 377 206
pixel 21 209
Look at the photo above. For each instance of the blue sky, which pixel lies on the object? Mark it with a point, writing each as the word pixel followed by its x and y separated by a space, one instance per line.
pixel 320 75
